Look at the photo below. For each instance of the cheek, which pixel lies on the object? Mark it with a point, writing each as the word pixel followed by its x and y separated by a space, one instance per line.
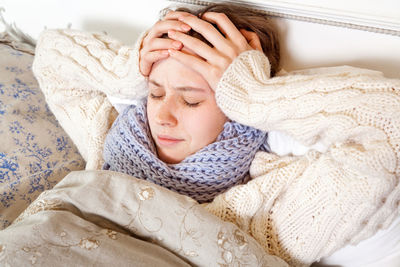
pixel 151 111
pixel 204 126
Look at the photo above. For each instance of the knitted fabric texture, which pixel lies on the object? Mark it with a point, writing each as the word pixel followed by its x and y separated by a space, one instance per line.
pixel 300 208
pixel 129 148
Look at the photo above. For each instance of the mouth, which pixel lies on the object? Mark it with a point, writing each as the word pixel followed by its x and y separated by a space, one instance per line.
pixel 166 140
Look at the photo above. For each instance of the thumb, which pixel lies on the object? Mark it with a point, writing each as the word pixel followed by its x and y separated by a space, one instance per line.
pixel 252 38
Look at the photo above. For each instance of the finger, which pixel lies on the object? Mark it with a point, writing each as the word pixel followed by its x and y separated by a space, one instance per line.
pixel 161 44
pixel 225 25
pixel 175 15
pixel 148 59
pixel 161 27
pixel 253 39
pixel 209 32
pixel 197 46
pixel 191 61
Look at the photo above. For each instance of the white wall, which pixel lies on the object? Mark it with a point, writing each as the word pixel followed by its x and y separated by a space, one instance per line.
pixel 119 18
pixel 304 44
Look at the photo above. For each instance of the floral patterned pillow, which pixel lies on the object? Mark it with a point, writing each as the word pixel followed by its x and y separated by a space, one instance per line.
pixel 35 152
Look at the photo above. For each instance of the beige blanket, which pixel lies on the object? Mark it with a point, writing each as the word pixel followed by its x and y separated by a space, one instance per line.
pixel 95 218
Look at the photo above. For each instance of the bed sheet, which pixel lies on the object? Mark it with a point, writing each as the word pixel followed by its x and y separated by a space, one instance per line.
pixel 102 217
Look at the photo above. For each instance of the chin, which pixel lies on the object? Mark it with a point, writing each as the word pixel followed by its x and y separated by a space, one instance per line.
pixel 170 161
pixel 168 158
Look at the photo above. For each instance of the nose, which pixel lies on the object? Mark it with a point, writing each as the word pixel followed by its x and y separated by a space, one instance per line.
pixel 166 114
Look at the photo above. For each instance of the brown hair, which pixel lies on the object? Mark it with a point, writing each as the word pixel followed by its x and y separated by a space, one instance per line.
pixel 244 18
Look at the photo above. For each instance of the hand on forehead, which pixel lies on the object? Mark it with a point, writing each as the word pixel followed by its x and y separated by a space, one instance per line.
pixel 154 47
pixel 210 59
pixel 227 43
pixel 205 26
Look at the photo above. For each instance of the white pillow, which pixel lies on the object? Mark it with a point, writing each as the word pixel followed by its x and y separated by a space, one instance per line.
pixel 120 104
pixel 283 144
pixel 380 250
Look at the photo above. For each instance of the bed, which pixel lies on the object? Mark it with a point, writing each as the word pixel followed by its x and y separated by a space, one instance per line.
pixel 36 154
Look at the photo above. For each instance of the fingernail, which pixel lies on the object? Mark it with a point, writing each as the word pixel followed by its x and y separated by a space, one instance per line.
pixel 165 52
pixel 171 51
pixel 181 18
pixel 177 44
pixel 185 27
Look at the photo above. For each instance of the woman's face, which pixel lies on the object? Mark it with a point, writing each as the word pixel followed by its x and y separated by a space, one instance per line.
pixel 182 112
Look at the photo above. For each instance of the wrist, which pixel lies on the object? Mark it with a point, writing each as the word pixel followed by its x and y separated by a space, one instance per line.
pixel 252 65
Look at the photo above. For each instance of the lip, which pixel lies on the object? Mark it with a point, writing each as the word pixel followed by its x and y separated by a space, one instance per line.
pixel 166 140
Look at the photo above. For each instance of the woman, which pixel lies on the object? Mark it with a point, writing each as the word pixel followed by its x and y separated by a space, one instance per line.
pixel 341 189
pixel 193 148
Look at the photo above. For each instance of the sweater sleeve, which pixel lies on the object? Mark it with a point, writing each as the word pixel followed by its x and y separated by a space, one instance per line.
pixel 302 208
pixel 76 71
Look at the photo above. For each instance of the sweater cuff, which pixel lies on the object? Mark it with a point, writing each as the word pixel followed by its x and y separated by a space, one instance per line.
pixel 136 53
pixel 136 84
pixel 233 93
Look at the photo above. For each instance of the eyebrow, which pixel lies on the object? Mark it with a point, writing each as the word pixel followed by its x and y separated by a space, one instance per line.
pixel 183 88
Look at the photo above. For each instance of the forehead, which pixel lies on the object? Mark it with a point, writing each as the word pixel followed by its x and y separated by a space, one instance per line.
pixel 172 72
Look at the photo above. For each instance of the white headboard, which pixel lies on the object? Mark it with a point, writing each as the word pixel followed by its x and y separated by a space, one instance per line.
pixel 381 16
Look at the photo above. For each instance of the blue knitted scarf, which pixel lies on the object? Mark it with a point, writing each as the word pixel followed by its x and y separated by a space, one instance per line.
pixel 129 148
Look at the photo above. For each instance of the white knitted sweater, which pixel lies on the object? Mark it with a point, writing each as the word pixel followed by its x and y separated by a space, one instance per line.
pixel 300 208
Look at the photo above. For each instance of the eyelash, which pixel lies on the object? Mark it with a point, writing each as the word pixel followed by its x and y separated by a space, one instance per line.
pixel 192 105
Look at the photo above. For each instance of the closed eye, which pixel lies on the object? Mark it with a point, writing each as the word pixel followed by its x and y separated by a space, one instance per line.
pixel 189 104
pixel 156 96
pixel 192 105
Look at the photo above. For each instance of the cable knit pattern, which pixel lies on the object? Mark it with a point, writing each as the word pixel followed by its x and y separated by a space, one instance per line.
pixel 309 206
pixel 76 70
pixel 129 148
pixel 300 208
